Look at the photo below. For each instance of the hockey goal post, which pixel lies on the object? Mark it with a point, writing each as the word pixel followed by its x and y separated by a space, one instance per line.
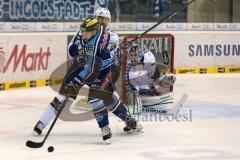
pixel 161 45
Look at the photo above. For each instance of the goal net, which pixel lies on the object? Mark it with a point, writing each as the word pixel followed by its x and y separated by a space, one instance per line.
pixel 161 45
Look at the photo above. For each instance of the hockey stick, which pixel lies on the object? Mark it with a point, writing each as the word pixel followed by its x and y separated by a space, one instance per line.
pixel 32 144
pixel 162 20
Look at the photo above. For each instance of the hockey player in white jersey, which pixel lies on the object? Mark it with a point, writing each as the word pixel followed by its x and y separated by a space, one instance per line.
pixel 104 18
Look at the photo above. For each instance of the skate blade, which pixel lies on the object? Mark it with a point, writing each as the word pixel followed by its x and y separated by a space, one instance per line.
pixel 107 141
pixel 136 131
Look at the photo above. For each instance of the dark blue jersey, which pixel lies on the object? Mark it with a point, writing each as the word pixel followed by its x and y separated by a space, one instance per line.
pixel 98 58
pixel 76 45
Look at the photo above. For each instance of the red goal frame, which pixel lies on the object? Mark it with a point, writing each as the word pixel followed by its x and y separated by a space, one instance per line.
pixel 124 52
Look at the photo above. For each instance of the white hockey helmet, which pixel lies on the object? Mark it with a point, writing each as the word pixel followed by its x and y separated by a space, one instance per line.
pixel 148 57
pixel 102 12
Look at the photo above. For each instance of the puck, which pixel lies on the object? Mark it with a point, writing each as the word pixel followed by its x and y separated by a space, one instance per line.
pixel 50 149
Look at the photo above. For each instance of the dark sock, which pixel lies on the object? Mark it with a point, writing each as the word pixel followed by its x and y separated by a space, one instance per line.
pixel 121 112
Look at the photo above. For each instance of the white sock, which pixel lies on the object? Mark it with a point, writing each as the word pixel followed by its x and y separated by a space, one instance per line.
pixel 50 112
pixel 48 115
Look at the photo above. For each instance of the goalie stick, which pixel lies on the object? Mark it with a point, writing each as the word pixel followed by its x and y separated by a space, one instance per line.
pixel 162 20
pixel 176 107
pixel 181 101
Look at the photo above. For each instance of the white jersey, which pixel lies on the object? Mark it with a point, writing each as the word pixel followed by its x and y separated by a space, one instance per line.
pixel 114 47
pixel 114 40
pixel 149 62
pixel 140 75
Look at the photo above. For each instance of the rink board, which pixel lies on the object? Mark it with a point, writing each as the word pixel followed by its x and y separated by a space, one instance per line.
pixel 28 60
pixel 228 69
pixel 29 84
pixel 20 52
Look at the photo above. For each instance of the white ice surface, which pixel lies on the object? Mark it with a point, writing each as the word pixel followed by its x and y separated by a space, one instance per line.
pixel 213 133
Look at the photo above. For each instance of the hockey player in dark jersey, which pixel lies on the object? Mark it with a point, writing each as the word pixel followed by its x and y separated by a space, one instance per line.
pixel 92 48
pixel 110 100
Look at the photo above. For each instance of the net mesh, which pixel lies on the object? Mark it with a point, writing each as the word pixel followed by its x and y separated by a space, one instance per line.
pixel 162 46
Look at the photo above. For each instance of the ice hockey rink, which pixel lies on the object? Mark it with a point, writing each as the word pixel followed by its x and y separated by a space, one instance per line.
pixel 213 132
pixel 198 41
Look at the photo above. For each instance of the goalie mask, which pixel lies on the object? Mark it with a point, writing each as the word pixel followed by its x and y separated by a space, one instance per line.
pixel 134 52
